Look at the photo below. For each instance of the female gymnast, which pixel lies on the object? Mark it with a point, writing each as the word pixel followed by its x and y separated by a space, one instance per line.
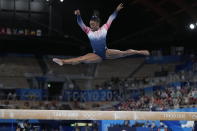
pixel 97 36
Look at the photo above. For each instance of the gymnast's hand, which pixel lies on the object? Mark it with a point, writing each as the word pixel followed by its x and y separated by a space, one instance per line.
pixel 77 12
pixel 119 7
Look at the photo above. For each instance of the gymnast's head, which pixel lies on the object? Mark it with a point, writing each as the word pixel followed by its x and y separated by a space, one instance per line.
pixel 95 21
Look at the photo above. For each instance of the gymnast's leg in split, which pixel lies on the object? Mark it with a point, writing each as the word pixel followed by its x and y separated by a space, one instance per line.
pixel 88 58
pixel 94 58
pixel 114 54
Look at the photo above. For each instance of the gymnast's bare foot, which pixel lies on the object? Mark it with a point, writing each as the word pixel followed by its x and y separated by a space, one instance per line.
pixel 58 61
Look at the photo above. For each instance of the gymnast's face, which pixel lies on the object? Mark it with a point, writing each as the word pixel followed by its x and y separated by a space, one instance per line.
pixel 94 25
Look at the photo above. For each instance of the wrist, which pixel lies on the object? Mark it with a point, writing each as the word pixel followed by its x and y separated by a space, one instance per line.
pixel 116 11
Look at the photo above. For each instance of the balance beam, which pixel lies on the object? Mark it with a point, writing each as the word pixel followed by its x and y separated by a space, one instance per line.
pixel 94 115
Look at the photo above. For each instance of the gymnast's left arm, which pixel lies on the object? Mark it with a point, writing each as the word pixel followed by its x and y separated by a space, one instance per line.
pixel 113 16
pixel 80 21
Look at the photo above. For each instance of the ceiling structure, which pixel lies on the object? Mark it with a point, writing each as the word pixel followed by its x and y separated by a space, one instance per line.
pixel 150 24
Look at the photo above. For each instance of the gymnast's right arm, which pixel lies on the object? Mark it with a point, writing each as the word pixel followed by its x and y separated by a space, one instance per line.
pixel 80 22
pixel 113 16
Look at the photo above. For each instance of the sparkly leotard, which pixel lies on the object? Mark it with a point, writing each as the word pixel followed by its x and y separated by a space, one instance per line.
pixel 97 38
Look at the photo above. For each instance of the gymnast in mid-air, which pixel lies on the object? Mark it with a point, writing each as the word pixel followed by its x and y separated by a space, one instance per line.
pixel 97 36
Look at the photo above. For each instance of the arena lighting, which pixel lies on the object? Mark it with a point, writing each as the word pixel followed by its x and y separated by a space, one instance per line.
pixel 61 0
pixel 192 26
pixel 49 85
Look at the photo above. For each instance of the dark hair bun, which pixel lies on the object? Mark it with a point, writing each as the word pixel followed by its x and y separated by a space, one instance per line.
pixel 95 16
pixel 96 13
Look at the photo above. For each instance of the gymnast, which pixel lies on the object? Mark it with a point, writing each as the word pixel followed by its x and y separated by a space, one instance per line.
pixel 97 36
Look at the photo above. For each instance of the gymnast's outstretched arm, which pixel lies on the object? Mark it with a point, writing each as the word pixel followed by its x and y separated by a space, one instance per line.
pixel 80 22
pixel 113 16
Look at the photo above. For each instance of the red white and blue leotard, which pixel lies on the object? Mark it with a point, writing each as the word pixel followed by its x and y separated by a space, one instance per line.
pixel 97 38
